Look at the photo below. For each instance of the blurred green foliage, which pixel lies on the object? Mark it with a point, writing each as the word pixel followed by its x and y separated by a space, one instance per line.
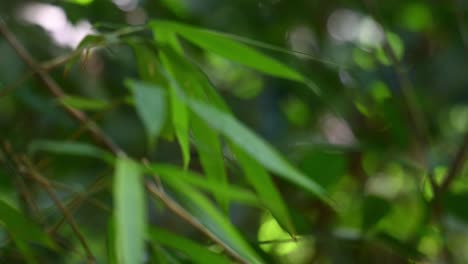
pixel 267 131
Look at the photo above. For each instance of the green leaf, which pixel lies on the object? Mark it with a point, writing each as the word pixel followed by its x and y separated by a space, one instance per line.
pixel 374 209
pixel 83 103
pixel 204 211
pixel 168 172
pixel 180 121
pixel 21 228
pixel 196 252
pixel 70 148
pixel 211 156
pixel 255 146
pixel 150 103
pixel 259 178
pixel 233 50
pixel 130 212
pixel 454 203
pixel 313 165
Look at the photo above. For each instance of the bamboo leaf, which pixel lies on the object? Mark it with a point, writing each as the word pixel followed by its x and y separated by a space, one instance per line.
pixel 150 103
pixel 230 49
pixel 196 252
pixel 83 103
pixel 255 146
pixel 70 148
pixel 204 211
pixel 231 192
pixel 259 178
pixel 130 212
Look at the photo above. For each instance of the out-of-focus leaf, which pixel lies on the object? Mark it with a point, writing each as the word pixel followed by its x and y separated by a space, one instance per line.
pixel 21 228
pixel 80 2
pixel 196 252
pixel 233 50
pixel 179 7
pixel 213 220
pixel 396 45
pixel 401 247
pixel 111 238
pixel 70 148
pixel 130 212
pixel 374 209
pixel 227 191
pixel 83 103
pixel 325 166
pixel 150 103
pixel 259 178
pixel 255 146
pixel 455 203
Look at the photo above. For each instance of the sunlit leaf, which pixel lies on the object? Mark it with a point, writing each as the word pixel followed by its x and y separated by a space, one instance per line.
pixel 150 103
pixel 256 147
pixel 196 252
pixel 130 212
pixel 259 178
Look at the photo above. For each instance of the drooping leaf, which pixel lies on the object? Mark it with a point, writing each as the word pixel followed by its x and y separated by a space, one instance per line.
pixel 212 219
pixel 180 121
pixel 254 146
pixel 150 103
pixel 130 212
pixel 374 209
pixel 21 228
pixel 231 192
pixel 70 148
pixel 83 103
pixel 233 50
pixel 185 79
pixel 196 252
pixel 210 152
pixel 259 178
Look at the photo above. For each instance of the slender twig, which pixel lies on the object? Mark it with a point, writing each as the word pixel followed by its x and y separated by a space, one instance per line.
pixel 77 200
pixel 187 217
pixel 416 120
pixel 47 186
pixel 56 90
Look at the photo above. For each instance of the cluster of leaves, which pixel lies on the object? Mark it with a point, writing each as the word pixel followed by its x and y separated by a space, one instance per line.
pixel 364 200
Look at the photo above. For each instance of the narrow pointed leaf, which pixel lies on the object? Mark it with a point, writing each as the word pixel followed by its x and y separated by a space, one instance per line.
pixel 231 192
pixel 255 146
pixel 231 49
pixel 212 219
pixel 196 252
pixel 130 212
pixel 83 103
pixel 70 148
pixel 259 178
pixel 150 103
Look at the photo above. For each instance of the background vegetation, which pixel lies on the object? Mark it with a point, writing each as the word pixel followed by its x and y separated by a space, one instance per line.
pixel 206 131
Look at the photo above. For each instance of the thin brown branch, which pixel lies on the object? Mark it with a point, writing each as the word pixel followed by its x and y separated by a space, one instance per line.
pixel 56 90
pixel 46 185
pixel 187 217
